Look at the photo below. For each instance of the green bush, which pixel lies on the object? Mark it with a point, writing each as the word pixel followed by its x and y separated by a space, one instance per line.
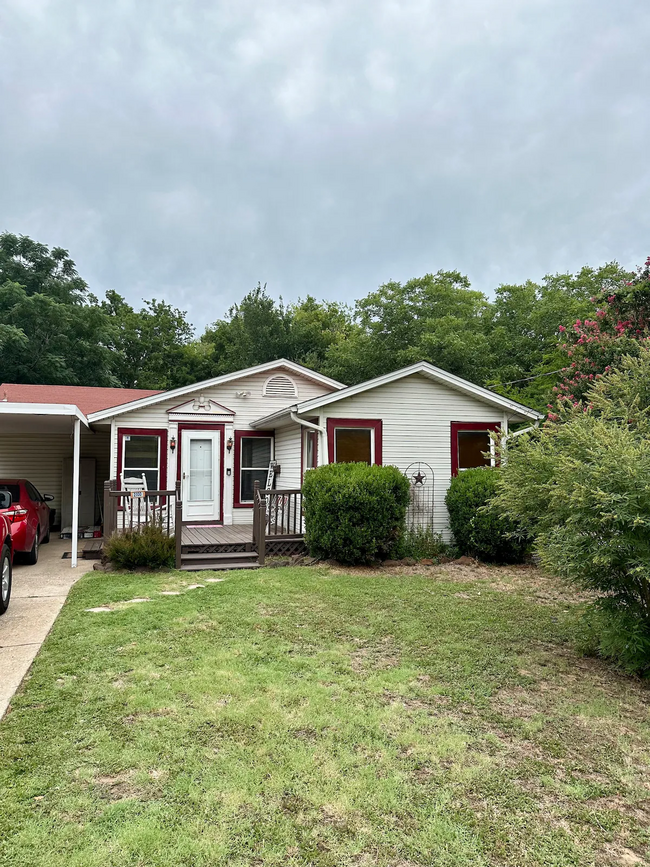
pixel 353 512
pixel 582 488
pixel 421 543
pixel 479 529
pixel 146 546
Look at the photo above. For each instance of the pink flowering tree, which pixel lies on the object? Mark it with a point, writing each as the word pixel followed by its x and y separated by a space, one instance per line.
pixel 593 346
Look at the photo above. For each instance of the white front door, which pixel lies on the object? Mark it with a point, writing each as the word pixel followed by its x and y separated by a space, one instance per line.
pixel 200 475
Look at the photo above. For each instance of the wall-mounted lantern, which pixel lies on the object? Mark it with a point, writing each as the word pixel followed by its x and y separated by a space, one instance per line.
pixel 172 444
pixel 229 444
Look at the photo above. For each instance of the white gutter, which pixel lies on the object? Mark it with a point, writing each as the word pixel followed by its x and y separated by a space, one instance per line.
pixel 524 430
pixel 304 423
pixel 64 409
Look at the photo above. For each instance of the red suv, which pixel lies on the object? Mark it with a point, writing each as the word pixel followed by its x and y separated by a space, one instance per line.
pixel 29 516
pixel 6 553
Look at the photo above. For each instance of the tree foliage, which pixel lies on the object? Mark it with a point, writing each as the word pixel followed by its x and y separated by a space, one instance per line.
pixel 582 489
pixel 52 329
pixel 619 325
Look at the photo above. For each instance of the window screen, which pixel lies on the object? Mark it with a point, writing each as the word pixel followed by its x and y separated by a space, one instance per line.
pixel 255 457
pixel 141 454
pixel 471 446
pixel 353 445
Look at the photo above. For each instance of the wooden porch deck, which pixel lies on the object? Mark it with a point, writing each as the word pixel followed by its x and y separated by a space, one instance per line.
pixel 235 534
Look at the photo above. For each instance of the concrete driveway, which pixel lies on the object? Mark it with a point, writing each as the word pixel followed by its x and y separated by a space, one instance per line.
pixel 37 596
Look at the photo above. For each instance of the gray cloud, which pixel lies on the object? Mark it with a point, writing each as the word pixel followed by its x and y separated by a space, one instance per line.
pixel 186 150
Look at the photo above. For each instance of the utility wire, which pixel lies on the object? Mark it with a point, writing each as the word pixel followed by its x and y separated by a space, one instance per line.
pixel 537 376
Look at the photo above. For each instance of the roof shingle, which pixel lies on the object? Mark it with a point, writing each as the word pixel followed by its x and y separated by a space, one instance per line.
pixel 88 399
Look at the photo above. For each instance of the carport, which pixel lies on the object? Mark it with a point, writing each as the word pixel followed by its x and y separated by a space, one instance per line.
pixel 42 423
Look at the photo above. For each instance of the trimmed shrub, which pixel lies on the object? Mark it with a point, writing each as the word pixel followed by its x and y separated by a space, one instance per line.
pixel 479 529
pixel 146 546
pixel 354 513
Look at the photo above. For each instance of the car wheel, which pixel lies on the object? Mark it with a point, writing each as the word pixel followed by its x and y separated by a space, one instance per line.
pixel 32 557
pixel 5 579
pixel 46 537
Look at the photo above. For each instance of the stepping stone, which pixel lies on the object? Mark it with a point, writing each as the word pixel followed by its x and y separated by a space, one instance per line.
pixel 194 586
pixel 170 593
pixel 98 610
pixel 214 580
pixel 128 601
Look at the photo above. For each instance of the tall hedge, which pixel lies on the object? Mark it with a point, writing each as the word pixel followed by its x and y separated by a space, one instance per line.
pixel 479 529
pixel 353 512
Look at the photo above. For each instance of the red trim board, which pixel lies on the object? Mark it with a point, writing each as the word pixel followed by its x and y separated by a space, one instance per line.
pixel 479 426
pixel 190 425
pixel 375 424
pixel 236 481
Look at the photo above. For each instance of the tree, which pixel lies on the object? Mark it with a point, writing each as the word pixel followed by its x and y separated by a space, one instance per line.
pixel 258 330
pixel 152 347
pixel 582 490
pixel 254 331
pixel 619 326
pixel 435 318
pixel 525 329
pixel 53 330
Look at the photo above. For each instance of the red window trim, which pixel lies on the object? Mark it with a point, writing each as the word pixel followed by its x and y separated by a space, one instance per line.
pixel 144 432
pixel 195 426
pixel 375 424
pixel 310 432
pixel 478 426
pixel 239 434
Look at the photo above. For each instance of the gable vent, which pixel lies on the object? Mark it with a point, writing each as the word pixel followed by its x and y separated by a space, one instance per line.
pixel 280 386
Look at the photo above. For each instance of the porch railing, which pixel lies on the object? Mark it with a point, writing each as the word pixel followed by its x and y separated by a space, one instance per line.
pixel 277 514
pixel 129 510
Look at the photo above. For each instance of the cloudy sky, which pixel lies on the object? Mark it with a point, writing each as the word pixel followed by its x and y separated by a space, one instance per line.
pixel 186 150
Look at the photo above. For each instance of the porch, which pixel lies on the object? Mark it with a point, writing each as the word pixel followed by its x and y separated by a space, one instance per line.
pixel 277 529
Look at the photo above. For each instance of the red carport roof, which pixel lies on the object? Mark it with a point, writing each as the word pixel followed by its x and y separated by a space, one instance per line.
pixel 88 399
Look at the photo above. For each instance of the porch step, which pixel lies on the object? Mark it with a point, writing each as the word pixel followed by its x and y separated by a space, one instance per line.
pixel 218 565
pixel 215 562
pixel 221 555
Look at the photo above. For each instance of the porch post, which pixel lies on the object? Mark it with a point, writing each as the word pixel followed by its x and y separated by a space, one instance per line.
pixel 75 490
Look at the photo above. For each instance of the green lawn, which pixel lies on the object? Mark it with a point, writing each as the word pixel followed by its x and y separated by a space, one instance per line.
pixel 306 716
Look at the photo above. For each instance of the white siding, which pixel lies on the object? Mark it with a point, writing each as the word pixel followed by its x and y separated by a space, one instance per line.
pixel 417 414
pixel 288 454
pixel 39 458
pixel 247 410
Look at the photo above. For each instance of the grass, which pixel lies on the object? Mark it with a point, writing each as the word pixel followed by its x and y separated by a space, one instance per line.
pixel 315 717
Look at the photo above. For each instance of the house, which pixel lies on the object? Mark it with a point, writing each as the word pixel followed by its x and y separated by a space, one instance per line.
pixel 217 438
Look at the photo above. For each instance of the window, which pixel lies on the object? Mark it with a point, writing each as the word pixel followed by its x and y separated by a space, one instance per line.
pixel 32 493
pixel 354 440
pixel 253 454
pixel 352 445
pixel 470 441
pixel 142 452
pixel 309 450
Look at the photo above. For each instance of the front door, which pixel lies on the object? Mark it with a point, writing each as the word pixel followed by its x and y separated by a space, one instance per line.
pixel 200 475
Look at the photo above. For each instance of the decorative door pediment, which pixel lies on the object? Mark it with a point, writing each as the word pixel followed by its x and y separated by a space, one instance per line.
pixel 201 407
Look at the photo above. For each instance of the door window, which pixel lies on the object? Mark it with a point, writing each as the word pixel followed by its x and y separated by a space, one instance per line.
pixel 201 476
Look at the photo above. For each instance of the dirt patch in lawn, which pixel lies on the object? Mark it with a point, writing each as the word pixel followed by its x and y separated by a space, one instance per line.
pixel 527 579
